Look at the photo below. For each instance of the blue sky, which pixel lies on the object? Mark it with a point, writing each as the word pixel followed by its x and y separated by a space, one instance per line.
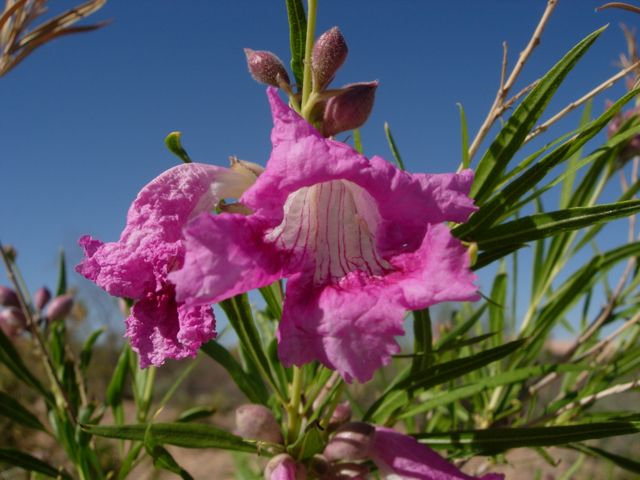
pixel 83 119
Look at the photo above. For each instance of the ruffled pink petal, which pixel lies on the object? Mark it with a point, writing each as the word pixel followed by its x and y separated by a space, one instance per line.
pixel 225 256
pixel 151 246
pixel 119 270
pixel 349 327
pixel 407 203
pixel 400 456
pixel 438 271
pixel 159 328
pixel 151 243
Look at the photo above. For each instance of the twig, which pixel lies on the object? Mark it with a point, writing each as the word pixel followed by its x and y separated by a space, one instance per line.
pixel 498 106
pixel 602 344
pixel 573 105
pixel 583 402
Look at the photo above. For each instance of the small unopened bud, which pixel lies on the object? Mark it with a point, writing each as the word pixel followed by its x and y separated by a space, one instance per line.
pixel 257 422
pixel 266 67
pixel 10 252
pixel 329 53
pixel 60 307
pixel 284 467
pixel 351 442
pixel 340 415
pixel 12 321
pixel 350 109
pixel 42 297
pixel 8 297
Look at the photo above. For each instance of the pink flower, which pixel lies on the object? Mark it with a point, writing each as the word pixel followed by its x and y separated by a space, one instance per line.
pixel 399 456
pixel 358 240
pixel 151 246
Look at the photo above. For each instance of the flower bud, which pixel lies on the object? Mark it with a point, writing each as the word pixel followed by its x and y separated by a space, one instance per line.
pixel 60 307
pixel 42 297
pixel 257 422
pixel 351 442
pixel 8 297
pixel 350 109
pixel 266 67
pixel 284 467
pixel 329 53
pixel 12 321
pixel 10 252
pixel 340 415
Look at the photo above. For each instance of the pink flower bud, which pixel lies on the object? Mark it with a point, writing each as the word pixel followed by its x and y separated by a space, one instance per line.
pixel 42 297
pixel 12 321
pixel 60 307
pixel 8 297
pixel 329 53
pixel 341 414
pixel 257 422
pixel 351 442
pixel 350 109
pixel 266 67
pixel 284 467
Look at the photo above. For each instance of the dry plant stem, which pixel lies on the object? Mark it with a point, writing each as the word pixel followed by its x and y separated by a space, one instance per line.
pixel 601 345
pixel 498 107
pixel 588 96
pixel 625 387
pixel 586 401
pixel 33 329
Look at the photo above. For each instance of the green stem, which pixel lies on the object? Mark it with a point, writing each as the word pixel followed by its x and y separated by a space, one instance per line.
pixel 312 8
pixel 293 408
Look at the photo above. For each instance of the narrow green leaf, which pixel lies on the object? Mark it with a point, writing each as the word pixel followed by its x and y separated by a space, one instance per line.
pixel 254 390
pixel 87 348
pixel 568 294
pixel 297 37
pixel 497 306
pixel 389 391
pixel 502 203
pixel 240 317
pixel 593 231
pixel 393 147
pixel 460 329
pixel 10 357
pixel 487 257
pixel 567 184
pixel 443 372
pixel 618 460
pixel 13 410
pixel 423 340
pixel 25 461
pixel 507 378
pixel 161 457
pixel 187 435
pixel 310 443
pixel 464 134
pixel 497 440
pixel 173 141
pixel 184 374
pixel 195 413
pixel 511 137
pixel 61 289
pixel 457 344
pixel 116 385
pixel 535 227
